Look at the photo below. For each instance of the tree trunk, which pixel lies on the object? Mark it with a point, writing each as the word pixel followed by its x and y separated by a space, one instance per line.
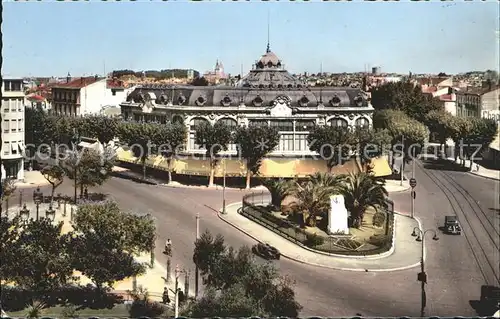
pixel 144 169
pixel 169 171
pixel 52 195
pixel 81 190
pixel 212 172
pixel 249 175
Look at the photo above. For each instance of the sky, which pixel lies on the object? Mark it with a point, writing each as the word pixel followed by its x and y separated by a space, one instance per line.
pixel 88 38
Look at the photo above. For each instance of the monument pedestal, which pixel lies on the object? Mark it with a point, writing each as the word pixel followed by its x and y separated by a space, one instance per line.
pixel 337 216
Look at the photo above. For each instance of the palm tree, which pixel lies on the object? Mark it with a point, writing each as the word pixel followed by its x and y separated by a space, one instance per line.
pixel 312 200
pixel 361 191
pixel 279 189
pixel 327 180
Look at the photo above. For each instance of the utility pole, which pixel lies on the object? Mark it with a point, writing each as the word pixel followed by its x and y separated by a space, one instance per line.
pixel 196 270
pixel 168 252
pixel 224 187
pixel 403 159
pixel 176 300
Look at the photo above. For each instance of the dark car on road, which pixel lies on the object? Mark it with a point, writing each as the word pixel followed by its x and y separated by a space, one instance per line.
pixel 266 251
pixel 452 226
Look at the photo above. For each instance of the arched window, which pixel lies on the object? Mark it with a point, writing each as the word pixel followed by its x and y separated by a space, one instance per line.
pixel 228 121
pixel 177 119
pixel 233 124
pixel 193 125
pixel 338 122
pixel 362 122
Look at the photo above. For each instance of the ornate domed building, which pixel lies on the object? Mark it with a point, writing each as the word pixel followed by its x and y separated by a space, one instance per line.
pixel 267 95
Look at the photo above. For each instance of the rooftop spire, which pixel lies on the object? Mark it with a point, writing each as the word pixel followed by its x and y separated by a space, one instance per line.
pixel 268 23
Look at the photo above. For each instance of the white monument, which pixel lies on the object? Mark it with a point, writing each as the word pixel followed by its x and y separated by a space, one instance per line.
pixel 337 217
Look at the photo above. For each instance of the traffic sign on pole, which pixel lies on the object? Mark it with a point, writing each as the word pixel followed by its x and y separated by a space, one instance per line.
pixel 413 182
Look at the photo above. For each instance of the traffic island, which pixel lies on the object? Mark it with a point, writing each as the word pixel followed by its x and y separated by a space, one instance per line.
pixel 392 260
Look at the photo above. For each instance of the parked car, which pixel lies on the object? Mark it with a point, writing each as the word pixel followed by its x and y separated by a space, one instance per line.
pixel 452 226
pixel 266 251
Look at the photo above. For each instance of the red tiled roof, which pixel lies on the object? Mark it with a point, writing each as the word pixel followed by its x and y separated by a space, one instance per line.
pixel 110 84
pixel 446 97
pixel 36 98
pixel 78 83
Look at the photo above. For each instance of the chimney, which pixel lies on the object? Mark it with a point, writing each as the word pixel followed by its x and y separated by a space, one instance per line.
pixel 82 80
pixel 95 77
pixel 68 78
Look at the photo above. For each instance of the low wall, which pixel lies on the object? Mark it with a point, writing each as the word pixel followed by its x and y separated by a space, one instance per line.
pixel 271 167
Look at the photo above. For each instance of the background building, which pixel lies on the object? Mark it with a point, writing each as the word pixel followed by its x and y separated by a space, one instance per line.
pixel 12 153
pixel 87 95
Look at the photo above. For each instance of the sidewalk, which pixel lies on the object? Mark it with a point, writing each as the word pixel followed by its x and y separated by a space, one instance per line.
pixel 479 170
pixel 406 253
pixel 32 179
pixel 394 186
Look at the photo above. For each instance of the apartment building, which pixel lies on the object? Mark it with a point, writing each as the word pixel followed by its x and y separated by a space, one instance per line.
pixel 87 95
pixel 12 152
pixel 476 102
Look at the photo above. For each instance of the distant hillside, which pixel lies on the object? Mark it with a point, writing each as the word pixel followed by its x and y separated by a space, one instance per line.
pixel 159 75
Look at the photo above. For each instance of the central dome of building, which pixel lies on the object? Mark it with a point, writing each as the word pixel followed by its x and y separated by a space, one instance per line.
pixel 268 72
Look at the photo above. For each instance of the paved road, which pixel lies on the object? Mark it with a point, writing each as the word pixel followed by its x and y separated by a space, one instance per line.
pixel 457 265
pixel 453 276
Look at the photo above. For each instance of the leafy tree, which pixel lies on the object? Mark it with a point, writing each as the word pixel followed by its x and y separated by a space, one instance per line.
pixel 106 240
pixel 55 176
pixel 214 138
pixel 39 127
pixel 9 234
pixel 138 137
pixel 103 128
pixel 8 188
pixel 361 191
pixel 462 128
pixel 483 132
pixel 237 285
pixel 169 141
pixel 332 143
pixel 371 143
pixel 41 264
pixel 440 124
pixel 406 97
pixel 279 189
pixel 402 128
pixel 254 143
pixel 87 168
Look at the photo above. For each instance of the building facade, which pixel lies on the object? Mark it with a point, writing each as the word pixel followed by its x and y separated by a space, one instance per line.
pixel 12 153
pixel 267 95
pixel 477 102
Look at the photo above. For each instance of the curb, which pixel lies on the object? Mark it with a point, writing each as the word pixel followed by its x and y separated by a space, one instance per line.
pixel 400 191
pixel 487 177
pixel 338 256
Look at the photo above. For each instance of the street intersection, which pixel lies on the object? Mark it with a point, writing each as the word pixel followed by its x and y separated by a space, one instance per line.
pixel 457 266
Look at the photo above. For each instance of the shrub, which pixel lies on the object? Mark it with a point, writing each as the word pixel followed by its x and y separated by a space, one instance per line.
pixel 348 243
pixel 378 219
pixel 313 240
pixel 143 307
pixel 379 240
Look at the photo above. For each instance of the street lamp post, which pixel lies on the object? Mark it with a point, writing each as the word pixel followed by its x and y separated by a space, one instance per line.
pixel 50 213
pixel 75 140
pixel 37 198
pixel 24 213
pixel 422 276
pixel 168 252
pixel 224 187
pixel 178 272
pixel 21 198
